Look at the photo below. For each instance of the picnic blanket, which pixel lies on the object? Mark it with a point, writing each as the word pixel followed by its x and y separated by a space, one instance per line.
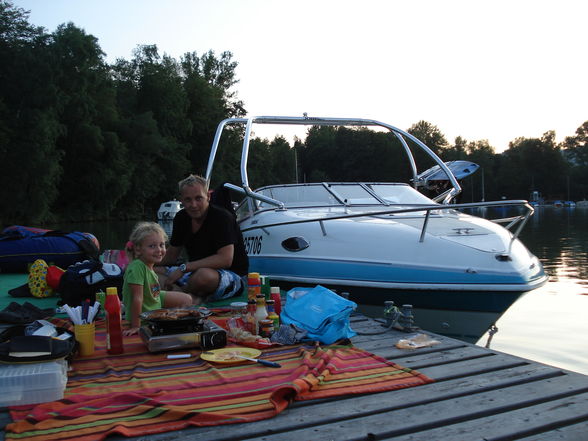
pixel 138 393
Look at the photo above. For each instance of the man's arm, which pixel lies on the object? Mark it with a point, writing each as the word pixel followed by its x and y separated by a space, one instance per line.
pixel 171 256
pixel 222 259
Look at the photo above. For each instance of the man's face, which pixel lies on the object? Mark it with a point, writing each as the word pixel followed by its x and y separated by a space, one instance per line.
pixel 195 200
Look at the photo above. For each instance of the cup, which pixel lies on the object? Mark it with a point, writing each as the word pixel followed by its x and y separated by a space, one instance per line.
pixel 101 298
pixel 85 335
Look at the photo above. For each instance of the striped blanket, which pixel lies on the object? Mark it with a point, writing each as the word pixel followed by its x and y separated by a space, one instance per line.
pixel 138 393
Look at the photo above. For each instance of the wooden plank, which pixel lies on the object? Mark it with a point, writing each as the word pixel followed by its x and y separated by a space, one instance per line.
pixel 417 360
pixel 307 414
pixel 463 368
pixel 450 412
pixel 517 423
pixel 575 432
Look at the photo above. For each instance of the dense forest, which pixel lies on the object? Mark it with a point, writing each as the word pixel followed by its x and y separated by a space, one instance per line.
pixel 82 139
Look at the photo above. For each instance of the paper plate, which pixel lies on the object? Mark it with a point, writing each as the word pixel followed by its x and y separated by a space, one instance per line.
pixel 227 355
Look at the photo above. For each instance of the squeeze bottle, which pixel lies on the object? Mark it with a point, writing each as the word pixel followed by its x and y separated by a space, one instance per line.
pixel 114 344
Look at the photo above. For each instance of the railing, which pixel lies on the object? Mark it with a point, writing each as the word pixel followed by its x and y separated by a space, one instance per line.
pixel 521 220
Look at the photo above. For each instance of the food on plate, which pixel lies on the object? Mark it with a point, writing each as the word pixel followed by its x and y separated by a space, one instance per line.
pixel 172 314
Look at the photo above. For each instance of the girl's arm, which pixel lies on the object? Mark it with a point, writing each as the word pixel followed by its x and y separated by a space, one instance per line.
pixel 136 308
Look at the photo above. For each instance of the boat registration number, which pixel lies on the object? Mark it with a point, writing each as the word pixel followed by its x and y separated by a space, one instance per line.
pixel 253 244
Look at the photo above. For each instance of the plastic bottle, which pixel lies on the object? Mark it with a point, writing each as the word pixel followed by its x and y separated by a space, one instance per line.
pixel 114 344
pixel 275 296
pixel 271 314
pixel 253 286
pixel 260 310
pixel 265 286
pixel 249 319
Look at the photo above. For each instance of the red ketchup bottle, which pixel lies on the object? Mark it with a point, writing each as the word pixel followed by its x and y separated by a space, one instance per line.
pixel 114 344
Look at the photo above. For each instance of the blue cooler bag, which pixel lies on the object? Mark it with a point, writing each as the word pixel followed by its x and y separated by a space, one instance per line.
pixel 321 312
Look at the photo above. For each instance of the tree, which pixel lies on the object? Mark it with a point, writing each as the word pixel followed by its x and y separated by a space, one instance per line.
pixel 29 126
pixel 94 158
pixel 208 83
pixel 532 164
pixel 576 151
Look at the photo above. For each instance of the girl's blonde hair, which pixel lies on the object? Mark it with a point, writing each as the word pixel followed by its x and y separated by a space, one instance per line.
pixel 139 233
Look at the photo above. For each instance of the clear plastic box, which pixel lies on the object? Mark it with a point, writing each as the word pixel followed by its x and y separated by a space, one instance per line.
pixel 32 383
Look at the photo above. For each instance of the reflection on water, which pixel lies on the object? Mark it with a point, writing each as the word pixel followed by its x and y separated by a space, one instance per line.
pixel 550 324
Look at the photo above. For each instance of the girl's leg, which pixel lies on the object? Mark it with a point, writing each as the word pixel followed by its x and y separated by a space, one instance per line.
pixel 177 299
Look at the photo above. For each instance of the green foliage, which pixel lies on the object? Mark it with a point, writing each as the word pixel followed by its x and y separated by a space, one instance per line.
pixel 81 139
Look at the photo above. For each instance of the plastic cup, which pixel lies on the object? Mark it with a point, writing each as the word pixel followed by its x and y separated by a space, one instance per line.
pixel 101 298
pixel 85 335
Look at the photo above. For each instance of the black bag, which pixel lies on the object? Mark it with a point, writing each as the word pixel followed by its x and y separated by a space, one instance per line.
pixel 14 338
pixel 84 279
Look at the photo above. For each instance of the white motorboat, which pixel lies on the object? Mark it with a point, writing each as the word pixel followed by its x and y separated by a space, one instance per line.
pixel 385 241
pixel 168 210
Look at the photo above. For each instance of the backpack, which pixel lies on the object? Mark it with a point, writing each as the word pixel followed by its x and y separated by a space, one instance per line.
pixel 84 279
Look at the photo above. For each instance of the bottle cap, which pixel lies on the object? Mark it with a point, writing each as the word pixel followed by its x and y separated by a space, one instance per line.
pixel 111 290
pixel 275 290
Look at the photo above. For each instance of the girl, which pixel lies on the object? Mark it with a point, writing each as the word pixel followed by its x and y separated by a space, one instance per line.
pixel 141 291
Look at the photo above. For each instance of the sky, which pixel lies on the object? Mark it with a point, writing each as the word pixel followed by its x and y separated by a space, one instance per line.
pixel 494 70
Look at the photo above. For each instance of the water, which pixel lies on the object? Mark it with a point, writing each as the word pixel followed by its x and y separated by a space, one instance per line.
pixel 549 325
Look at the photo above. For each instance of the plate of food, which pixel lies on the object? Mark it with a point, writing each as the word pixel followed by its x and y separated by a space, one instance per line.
pixel 230 355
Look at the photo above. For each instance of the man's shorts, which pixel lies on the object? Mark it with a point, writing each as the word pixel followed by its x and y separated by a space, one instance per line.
pixel 182 280
pixel 230 285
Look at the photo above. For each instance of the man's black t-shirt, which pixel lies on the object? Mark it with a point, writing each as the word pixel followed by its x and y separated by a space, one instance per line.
pixel 218 230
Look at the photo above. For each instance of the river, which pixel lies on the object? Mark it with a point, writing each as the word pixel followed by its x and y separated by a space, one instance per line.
pixel 549 325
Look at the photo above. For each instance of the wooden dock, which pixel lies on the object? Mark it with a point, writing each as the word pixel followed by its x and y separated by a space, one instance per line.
pixel 478 394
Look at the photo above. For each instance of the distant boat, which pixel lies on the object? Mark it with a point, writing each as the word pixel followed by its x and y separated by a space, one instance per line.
pixel 168 210
pixel 569 204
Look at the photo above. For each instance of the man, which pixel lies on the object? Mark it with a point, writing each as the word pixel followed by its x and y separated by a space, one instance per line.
pixel 217 263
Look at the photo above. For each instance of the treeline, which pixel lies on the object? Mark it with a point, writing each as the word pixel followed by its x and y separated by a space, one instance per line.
pixel 82 139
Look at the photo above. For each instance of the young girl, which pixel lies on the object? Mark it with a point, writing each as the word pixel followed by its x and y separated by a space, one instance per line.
pixel 141 291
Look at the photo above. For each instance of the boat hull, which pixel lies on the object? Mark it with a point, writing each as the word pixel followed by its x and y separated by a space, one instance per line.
pixel 453 300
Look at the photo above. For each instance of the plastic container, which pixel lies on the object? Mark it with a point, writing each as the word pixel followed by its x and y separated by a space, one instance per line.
pixel 253 286
pixel 265 286
pixel 249 319
pixel 32 383
pixel 272 315
pixel 114 344
pixel 276 297
pixel 260 310
pixel 238 309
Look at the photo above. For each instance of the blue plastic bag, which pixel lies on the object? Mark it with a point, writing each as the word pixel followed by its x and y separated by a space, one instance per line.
pixel 321 312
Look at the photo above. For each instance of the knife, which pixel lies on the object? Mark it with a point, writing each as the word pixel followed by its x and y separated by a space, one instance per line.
pixel 259 360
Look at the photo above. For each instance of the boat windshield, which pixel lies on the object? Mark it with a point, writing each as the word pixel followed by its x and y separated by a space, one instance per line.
pixel 400 194
pixel 331 194
pixel 300 195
